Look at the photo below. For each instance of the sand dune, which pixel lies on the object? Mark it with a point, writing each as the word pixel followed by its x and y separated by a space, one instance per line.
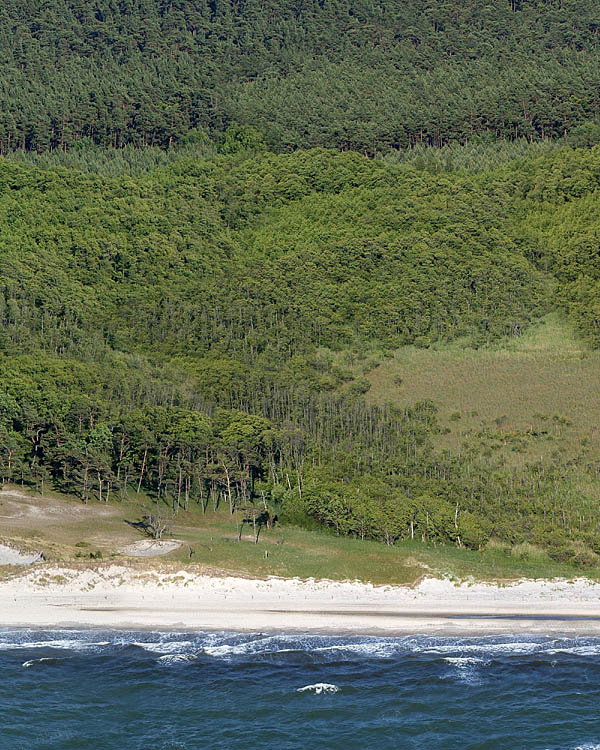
pixel 12 556
pixel 113 596
pixel 151 547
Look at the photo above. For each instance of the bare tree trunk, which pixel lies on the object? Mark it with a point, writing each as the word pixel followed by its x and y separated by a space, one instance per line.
pixel 229 495
pixel 179 479
pixel 121 451
pixel 257 530
pixel 84 493
pixel 142 471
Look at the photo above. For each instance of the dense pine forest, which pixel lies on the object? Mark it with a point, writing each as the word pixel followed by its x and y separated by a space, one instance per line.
pixel 217 219
pixel 368 75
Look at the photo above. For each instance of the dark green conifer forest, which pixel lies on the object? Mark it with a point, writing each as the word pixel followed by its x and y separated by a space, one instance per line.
pixel 367 75
pixel 210 212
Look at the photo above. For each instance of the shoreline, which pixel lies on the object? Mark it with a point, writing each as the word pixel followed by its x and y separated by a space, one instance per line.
pixel 132 598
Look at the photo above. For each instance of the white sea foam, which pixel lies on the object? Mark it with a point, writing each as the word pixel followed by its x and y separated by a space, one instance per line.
pixel 517 648
pixel 43 660
pixel 378 649
pixel 162 647
pixel 375 648
pixel 318 688
pixel 458 652
pixel 589 650
pixel 64 644
pixel 463 661
pixel 176 658
pixel 269 644
pixel 281 644
pixel 507 647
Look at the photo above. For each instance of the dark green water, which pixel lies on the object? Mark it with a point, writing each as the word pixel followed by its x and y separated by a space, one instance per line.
pixel 113 690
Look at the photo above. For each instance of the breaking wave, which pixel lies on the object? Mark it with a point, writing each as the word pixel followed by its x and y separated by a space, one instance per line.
pixel 240 690
pixel 177 658
pixel 43 660
pixel 318 688
pixel 467 651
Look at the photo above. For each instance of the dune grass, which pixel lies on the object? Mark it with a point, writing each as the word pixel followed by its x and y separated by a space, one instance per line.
pixel 68 531
pixel 318 554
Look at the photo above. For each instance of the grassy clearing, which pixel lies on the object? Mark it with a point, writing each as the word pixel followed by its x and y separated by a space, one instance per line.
pixel 67 531
pixel 538 393
pixel 316 554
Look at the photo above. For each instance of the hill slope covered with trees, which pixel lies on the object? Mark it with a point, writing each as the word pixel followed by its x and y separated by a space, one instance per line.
pixel 348 74
pixel 202 264
pixel 192 331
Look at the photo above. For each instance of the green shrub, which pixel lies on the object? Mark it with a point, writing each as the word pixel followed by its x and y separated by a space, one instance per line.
pixel 472 533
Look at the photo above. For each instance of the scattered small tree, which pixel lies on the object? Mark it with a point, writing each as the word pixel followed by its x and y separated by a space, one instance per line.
pixel 155 524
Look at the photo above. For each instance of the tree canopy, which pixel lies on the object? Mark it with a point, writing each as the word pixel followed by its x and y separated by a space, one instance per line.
pixel 349 74
pixel 190 331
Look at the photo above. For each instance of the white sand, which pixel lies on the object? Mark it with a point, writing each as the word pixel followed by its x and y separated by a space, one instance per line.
pixel 12 556
pixel 114 596
pixel 151 547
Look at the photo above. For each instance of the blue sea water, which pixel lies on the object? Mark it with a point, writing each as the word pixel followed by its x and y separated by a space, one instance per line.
pixel 117 690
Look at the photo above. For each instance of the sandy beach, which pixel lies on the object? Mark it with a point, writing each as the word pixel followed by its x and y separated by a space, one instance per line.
pixel 115 596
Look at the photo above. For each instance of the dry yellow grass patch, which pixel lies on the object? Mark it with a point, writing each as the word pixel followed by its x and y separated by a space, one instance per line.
pixel 546 381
